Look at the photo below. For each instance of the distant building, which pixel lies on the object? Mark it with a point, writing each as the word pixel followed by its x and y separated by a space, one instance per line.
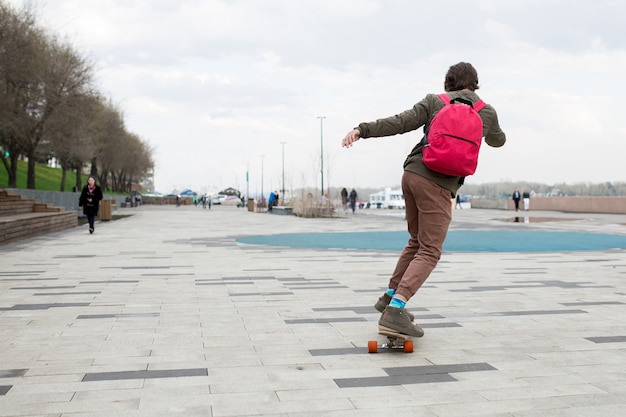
pixel 231 191
pixel 388 198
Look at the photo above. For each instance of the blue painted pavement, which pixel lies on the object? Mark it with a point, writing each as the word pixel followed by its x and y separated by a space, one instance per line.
pixel 456 241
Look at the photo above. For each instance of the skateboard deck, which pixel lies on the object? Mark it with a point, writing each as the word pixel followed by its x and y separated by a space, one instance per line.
pixel 395 341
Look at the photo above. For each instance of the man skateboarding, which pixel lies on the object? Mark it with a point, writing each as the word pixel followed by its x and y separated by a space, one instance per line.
pixel 427 194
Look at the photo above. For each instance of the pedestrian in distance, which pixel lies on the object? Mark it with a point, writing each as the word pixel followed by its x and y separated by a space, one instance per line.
pixel 526 199
pixel 89 201
pixel 271 202
pixel 344 199
pixel 353 197
pixel 516 198
pixel 427 193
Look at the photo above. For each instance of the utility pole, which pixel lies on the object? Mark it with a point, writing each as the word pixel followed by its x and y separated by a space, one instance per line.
pixel 322 150
pixel 262 192
pixel 282 192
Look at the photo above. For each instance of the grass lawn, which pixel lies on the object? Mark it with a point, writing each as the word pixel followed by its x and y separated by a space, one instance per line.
pixel 46 178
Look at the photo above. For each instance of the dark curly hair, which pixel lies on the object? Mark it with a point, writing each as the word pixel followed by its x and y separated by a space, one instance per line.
pixel 460 77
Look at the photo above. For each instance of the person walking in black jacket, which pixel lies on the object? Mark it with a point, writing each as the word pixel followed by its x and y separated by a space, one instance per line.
pixel 89 201
pixel 516 198
pixel 353 197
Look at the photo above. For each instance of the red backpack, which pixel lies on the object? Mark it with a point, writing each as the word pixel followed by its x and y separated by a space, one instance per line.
pixel 454 137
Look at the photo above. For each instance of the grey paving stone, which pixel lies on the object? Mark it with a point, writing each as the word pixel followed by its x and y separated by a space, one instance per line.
pixel 608 339
pixel 43 306
pixel 284 331
pixel 383 381
pixel 12 373
pixel 169 373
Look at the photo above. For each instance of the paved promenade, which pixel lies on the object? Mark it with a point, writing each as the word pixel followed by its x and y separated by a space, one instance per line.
pixel 166 313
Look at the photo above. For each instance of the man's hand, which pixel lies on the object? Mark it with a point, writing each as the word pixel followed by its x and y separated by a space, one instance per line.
pixel 350 138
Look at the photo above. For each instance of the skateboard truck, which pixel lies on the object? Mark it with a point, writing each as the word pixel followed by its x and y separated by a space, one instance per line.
pixel 395 340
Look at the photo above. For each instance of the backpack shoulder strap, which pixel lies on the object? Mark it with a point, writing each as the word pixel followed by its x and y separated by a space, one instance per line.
pixel 479 105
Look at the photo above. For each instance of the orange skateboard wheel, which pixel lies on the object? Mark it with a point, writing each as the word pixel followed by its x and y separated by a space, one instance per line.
pixel 408 346
pixel 372 346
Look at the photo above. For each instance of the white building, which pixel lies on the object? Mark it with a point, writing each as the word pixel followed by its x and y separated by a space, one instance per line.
pixel 387 199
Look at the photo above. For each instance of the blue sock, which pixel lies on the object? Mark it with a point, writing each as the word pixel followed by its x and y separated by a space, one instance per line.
pixel 390 292
pixel 397 303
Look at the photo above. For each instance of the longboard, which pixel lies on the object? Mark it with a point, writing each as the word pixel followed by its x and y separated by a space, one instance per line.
pixel 397 341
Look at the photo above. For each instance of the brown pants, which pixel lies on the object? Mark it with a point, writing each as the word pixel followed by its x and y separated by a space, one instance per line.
pixel 428 215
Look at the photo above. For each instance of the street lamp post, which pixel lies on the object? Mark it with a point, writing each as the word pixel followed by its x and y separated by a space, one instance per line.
pixel 322 150
pixel 248 181
pixel 282 192
pixel 262 192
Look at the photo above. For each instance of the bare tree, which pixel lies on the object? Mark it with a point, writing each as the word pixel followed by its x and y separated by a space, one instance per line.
pixel 48 108
pixel 143 163
pixel 108 143
pixel 64 76
pixel 20 41
pixel 132 164
pixel 70 132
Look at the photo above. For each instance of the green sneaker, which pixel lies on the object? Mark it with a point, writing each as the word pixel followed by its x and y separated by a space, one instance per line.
pixel 384 302
pixel 397 320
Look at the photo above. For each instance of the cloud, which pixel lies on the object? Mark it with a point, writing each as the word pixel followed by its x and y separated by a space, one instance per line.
pixel 215 84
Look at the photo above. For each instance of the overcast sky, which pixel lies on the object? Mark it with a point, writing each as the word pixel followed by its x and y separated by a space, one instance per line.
pixel 215 86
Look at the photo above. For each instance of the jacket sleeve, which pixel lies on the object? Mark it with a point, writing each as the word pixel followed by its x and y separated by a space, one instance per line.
pixel 494 136
pixel 408 120
pixel 81 199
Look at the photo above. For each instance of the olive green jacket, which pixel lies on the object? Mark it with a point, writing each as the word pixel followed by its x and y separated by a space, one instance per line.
pixel 422 114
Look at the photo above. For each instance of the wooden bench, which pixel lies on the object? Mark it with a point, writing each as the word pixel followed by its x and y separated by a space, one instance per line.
pixel 282 210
